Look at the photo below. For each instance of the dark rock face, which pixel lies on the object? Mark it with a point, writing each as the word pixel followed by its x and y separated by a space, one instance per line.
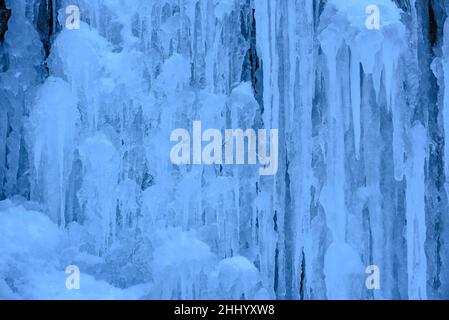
pixel 45 24
pixel 5 13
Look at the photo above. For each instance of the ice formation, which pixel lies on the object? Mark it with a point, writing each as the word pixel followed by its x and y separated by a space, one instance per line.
pixel 85 172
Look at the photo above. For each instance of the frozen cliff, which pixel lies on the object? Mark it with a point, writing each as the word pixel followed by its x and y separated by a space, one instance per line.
pixel 86 113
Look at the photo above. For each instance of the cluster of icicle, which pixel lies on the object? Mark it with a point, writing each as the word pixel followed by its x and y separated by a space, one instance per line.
pixel 354 186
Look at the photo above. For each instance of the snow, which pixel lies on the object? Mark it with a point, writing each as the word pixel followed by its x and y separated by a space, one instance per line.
pixel 238 277
pixel 30 265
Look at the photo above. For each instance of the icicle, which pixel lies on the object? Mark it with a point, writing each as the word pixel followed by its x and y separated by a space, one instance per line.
pixel 98 192
pixel 445 62
pixel 356 100
pixel 53 119
pixel 416 216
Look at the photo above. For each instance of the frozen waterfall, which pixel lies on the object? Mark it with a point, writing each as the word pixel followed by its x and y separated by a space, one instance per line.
pixel 362 112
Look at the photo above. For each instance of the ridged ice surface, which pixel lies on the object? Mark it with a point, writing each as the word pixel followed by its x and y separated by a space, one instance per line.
pixel 85 171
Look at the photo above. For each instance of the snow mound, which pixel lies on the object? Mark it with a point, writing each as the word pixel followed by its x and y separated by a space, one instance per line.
pixel 30 265
pixel 238 278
